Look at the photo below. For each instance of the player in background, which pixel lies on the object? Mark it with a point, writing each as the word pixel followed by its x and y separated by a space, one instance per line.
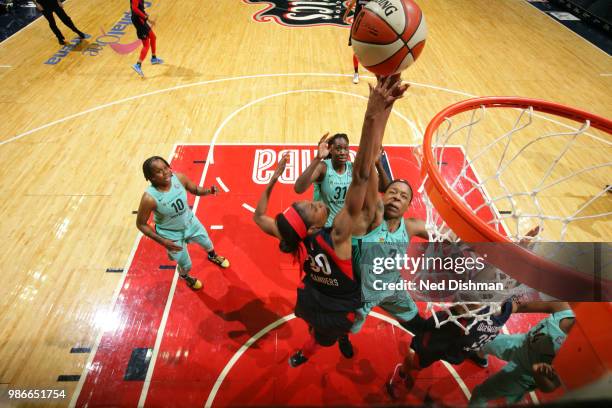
pixel 331 172
pixel 358 5
pixel 175 224
pixel 144 31
pixel 47 8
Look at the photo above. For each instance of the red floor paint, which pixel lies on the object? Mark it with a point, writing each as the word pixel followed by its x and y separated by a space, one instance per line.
pixel 206 328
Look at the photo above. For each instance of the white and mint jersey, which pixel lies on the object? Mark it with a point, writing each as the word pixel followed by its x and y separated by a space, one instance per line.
pixel 382 234
pixel 333 188
pixel 172 212
pixel 380 243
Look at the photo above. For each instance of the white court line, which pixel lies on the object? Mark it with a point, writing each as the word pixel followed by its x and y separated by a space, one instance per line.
pixel 92 353
pixel 158 340
pixel 534 398
pixel 212 81
pixel 216 227
pixel 605 75
pixel 248 207
pixel 173 88
pixel 230 364
pixel 210 157
pixel 222 184
pixel 5 66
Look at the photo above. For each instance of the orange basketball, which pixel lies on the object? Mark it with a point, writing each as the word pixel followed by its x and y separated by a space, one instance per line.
pixel 389 35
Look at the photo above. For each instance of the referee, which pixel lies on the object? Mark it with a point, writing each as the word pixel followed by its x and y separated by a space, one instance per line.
pixel 47 8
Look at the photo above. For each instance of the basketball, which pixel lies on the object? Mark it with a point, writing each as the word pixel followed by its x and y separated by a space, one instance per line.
pixel 389 35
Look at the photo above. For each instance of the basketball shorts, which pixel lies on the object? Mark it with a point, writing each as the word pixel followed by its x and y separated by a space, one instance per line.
pixel 400 305
pixel 142 27
pixel 195 232
pixel 327 325
pixel 433 344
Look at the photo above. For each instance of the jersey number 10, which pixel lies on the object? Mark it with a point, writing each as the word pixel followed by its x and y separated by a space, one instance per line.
pixel 178 205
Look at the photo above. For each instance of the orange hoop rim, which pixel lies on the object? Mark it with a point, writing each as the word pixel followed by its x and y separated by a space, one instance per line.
pixel 472 229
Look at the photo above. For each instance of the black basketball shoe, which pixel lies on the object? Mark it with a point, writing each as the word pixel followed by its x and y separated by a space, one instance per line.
pixel 346 348
pixel 297 359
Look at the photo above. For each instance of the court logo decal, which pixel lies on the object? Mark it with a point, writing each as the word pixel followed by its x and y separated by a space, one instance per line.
pixel 301 13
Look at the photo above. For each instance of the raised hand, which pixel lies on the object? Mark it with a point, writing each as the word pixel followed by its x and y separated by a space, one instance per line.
pixel 323 147
pixel 281 167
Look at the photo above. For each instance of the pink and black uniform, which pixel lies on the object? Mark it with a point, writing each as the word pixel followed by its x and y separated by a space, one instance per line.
pixel 450 343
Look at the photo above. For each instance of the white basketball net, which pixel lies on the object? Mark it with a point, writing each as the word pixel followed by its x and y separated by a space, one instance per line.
pixel 470 312
pixel 564 189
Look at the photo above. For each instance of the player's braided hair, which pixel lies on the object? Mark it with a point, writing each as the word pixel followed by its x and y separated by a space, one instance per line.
pixel 147 166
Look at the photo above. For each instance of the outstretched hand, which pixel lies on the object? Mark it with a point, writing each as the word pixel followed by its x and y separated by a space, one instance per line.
pixel 386 92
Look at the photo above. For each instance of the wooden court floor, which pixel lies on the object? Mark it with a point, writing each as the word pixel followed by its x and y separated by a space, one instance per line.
pixel 73 134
